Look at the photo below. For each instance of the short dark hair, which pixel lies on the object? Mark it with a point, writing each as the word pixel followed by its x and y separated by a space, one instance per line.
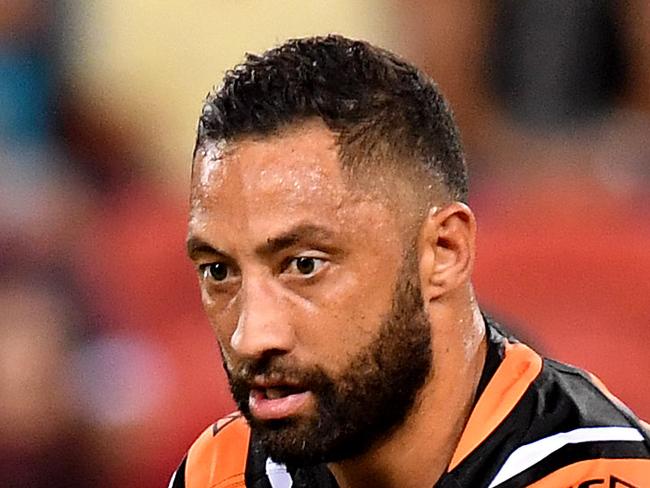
pixel 372 99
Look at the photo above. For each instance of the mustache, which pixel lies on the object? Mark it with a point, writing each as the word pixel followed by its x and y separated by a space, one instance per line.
pixel 275 370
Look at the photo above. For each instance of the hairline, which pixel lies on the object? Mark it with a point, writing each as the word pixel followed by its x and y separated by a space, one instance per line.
pixel 361 177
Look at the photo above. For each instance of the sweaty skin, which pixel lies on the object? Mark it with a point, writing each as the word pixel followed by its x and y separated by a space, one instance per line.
pixel 259 203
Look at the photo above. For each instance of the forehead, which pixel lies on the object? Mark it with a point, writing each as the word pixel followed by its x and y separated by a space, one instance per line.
pixel 306 155
pixel 266 184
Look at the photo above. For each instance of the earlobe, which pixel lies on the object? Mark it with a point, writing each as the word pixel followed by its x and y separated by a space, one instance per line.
pixel 446 249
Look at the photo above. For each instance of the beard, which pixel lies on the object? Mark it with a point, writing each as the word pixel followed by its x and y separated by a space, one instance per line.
pixel 372 396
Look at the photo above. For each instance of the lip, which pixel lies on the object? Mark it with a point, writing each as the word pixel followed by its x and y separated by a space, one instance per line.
pixel 274 381
pixel 264 408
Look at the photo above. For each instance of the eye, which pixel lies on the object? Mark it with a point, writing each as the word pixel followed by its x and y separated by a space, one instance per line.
pixel 215 271
pixel 305 265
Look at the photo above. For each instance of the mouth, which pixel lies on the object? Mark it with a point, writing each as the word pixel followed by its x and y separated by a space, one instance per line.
pixel 278 401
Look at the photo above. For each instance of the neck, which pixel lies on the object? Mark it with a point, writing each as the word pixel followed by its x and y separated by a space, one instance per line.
pixel 419 451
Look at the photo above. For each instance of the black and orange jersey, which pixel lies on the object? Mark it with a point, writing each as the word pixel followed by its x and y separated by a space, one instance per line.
pixel 535 423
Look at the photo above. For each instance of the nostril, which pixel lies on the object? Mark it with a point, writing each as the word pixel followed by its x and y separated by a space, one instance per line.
pixel 261 338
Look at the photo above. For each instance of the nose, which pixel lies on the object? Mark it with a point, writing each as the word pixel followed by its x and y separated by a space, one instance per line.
pixel 263 326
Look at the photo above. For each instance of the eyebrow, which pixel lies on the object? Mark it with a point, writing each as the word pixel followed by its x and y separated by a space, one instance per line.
pixel 301 233
pixel 197 247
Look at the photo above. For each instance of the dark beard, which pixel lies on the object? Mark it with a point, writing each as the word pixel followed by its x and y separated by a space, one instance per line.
pixel 371 398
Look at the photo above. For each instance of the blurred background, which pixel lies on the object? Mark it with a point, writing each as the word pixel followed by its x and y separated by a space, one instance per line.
pixel 108 369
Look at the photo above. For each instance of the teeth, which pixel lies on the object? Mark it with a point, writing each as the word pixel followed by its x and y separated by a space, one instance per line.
pixel 274 393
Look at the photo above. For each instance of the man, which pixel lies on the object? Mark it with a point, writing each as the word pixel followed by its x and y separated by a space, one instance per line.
pixel 334 252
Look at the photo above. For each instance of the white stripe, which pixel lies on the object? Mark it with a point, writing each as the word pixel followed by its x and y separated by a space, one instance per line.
pixel 171 481
pixel 526 456
pixel 278 475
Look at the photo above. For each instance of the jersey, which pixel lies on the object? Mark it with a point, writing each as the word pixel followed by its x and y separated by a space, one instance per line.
pixel 535 423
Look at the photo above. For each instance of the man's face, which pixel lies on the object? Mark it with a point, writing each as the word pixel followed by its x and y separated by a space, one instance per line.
pixel 312 292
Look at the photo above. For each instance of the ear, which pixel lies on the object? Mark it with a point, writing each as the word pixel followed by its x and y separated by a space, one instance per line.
pixel 446 248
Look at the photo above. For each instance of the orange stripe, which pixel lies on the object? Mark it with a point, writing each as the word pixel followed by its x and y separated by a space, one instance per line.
pixel 518 370
pixel 219 461
pixel 634 472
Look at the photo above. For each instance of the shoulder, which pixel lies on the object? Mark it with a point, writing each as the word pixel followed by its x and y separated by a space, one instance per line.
pixel 217 458
pixel 571 431
pixel 545 424
pixel 564 396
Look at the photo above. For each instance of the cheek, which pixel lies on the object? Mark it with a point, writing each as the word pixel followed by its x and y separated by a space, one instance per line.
pixel 221 315
pixel 350 315
pixel 361 297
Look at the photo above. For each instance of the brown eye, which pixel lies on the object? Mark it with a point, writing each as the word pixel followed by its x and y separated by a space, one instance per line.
pixel 305 265
pixel 216 271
